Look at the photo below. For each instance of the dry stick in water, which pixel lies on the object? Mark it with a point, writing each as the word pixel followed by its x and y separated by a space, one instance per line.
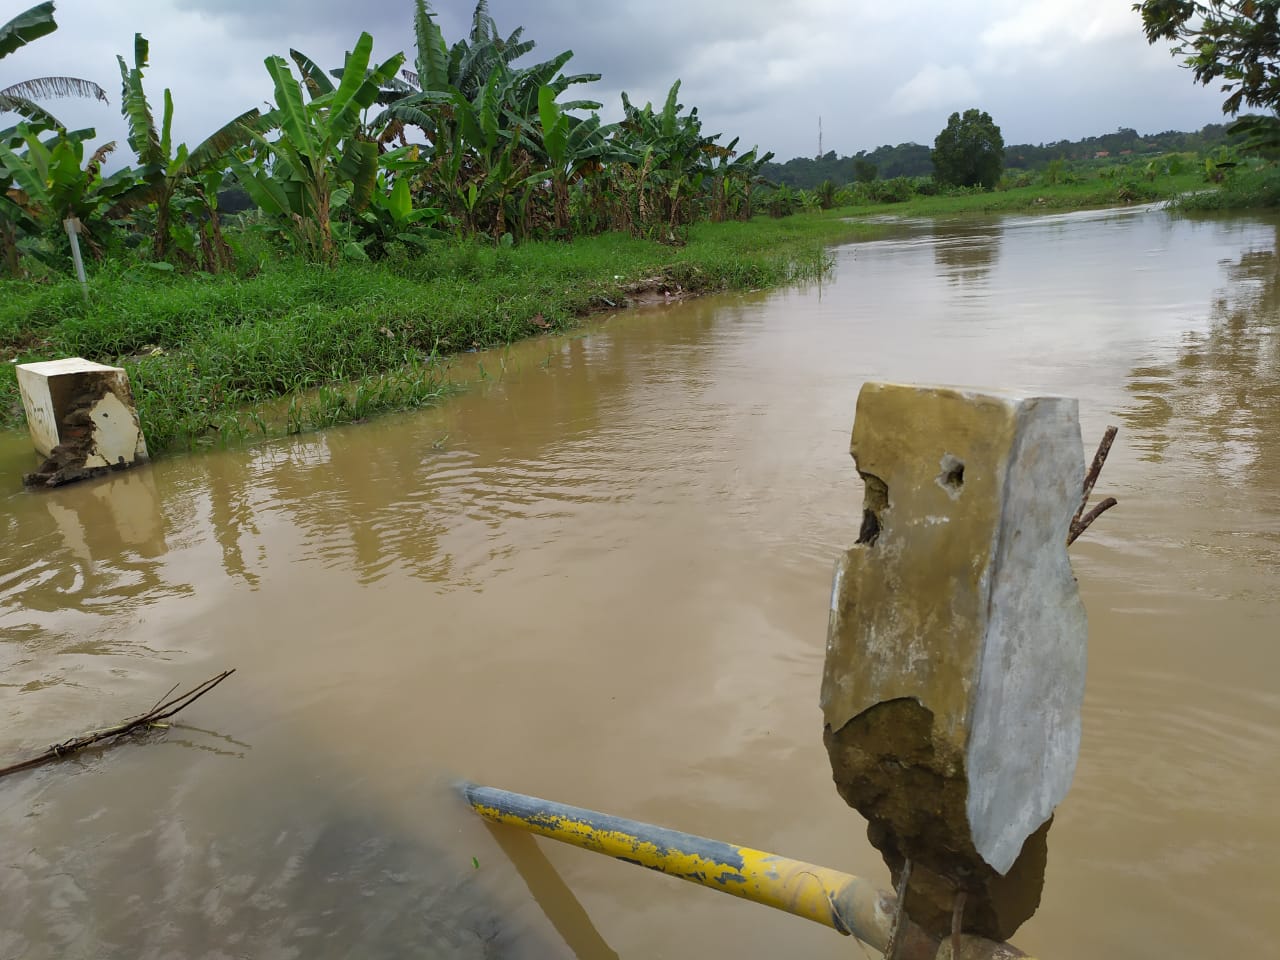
pixel 1079 523
pixel 160 711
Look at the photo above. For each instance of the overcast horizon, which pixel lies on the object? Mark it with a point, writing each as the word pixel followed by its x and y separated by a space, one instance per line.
pixel 875 74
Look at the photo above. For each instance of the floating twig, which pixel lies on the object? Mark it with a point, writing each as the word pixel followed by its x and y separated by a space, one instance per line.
pixel 1081 521
pixel 161 711
pixel 156 705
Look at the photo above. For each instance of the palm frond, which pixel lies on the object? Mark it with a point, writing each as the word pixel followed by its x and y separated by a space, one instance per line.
pixel 47 88
pixel 562 82
pixel 139 195
pixel 412 113
pixel 99 156
pixel 143 138
pixel 28 109
pixel 398 87
pixel 541 73
pixel 514 51
pixel 482 26
pixel 432 61
pixel 217 145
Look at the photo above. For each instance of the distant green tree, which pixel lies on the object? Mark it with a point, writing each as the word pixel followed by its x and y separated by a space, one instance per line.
pixel 1235 40
pixel 864 171
pixel 969 151
pixel 904 160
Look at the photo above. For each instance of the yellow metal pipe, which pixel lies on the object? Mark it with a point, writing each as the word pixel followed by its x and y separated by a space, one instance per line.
pixel 848 904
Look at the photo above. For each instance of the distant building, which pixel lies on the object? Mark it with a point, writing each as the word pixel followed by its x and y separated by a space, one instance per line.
pixel 1102 154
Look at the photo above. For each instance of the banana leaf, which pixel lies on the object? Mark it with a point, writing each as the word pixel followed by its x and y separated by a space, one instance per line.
pixel 27 26
pixel 433 55
pixel 291 112
pixel 312 76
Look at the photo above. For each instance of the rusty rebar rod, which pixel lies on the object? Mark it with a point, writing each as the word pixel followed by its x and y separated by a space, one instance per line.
pixel 1081 521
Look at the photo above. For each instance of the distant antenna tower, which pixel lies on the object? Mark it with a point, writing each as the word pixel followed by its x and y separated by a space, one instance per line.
pixel 819 136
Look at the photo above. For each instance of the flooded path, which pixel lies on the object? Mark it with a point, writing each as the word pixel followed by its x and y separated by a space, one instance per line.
pixel 601 576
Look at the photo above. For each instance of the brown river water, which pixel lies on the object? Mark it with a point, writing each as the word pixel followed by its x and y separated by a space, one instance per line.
pixel 601 575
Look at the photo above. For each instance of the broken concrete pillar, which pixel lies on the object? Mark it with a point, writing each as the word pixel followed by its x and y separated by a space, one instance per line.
pixel 81 417
pixel 955 659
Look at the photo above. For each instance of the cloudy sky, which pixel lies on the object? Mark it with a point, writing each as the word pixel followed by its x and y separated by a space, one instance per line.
pixel 875 71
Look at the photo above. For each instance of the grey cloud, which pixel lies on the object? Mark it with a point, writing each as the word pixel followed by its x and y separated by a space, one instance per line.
pixel 752 70
pixel 343 21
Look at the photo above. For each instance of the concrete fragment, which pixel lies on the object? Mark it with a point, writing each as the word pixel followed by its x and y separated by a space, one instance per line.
pixel 81 417
pixel 955 657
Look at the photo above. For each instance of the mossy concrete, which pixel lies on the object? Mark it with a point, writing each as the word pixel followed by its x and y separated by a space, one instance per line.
pixel 956 649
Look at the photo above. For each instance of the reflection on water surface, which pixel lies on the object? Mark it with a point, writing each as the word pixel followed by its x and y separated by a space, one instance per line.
pixel 601 576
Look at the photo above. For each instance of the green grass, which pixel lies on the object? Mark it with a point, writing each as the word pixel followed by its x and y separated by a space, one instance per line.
pixel 1086 194
pixel 1243 189
pixel 210 358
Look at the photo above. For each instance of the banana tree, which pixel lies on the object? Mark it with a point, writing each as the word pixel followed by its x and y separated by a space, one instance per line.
pixel 390 216
pixel 572 147
pixel 168 173
pixel 734 178
pixel 214 246
pixel 465 67
pixel 20 97
pixel 417 93
pixel 478 157
pixel 17 222
pixel 53 183
pixel 474 58
pixel 747 173
pixel 319 146
pixel 674 163
pixel 1261 133
pixel 480 114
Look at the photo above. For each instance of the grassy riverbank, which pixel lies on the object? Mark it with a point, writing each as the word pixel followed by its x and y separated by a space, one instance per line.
pixel 282 346
pixel 285 346
pixel 1248 188
pixel 1086 194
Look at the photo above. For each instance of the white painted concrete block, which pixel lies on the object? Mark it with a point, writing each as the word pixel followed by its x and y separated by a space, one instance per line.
pixel 76 402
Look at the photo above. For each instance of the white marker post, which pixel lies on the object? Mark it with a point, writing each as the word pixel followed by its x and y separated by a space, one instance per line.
pixel 72 226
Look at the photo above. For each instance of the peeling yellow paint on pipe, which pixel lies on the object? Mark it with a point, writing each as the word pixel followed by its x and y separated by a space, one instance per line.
pixel 848 904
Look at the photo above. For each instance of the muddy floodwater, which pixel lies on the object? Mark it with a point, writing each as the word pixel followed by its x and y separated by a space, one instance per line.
pixel 600 575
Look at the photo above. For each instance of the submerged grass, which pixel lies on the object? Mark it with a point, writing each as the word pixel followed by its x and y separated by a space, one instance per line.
pixel 210 358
